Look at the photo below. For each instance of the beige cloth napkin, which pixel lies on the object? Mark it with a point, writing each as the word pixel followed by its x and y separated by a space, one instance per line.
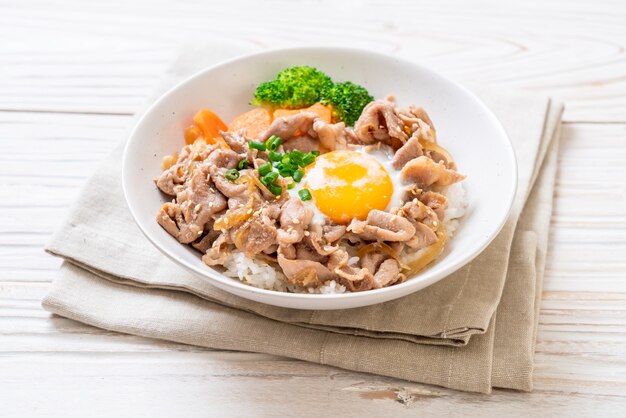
pixel 471 331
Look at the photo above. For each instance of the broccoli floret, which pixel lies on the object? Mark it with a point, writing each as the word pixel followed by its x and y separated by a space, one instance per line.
pixel 301 86
pixel 347 100
pixel 293 88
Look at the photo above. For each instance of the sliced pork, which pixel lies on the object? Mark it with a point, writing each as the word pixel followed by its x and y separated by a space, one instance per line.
pixel 380 123
pixel 425 172
pixel 382 226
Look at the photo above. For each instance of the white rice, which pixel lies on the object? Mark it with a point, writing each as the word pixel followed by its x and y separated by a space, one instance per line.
pixel 260 274
pixel 457 206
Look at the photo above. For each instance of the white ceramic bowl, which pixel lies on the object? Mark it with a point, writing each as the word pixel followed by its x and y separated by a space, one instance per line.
pixel 465 126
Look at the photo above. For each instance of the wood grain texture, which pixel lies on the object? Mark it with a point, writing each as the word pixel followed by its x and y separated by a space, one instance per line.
pixel 73 73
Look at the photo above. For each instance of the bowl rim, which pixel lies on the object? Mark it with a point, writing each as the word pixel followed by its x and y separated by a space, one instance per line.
pixel 413 282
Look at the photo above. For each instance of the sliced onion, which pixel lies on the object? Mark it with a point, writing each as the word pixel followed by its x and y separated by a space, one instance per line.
pixel 430 253
pixel 433 146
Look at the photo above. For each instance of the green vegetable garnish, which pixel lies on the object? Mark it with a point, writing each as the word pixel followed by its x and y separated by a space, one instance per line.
pixel 296 156
pixel 275 156
pixel 298 175
pixel 273 142
pixel 291 185
pixel 257 145
pixel 242 164
pixel 264 169
pixel 293 88
pixel 347 101
pixel 285 169
pixel 276 189
pixel 302 86
pixel 305 195
pixel 269 178
pixel 307 159
pixel 232 174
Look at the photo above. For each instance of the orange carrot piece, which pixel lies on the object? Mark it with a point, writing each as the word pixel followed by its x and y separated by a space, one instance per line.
pixel 210 124
pixel 255 122
pixel 324 112
pixel 191 134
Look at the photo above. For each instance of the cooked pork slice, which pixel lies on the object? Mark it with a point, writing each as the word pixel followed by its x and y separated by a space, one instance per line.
pixel 227 187
pixel 315 239
pixel 414 209
pixel 218 253
pixel 379 122
pixel 204 243
pixel 171 180
pixel 387 274
pixel 413 115
pixel 372 260
pixel 410 150
pixel 382 226
pixel 302 143
pixel 307 277
pixel 305 252
pixel 338 264
pixel 256 235
pixel 436 201
pixel 419 213
pixel 331 136
pixel 424 237
pixel 292 269
pixel 290 126
pixel 273 209
pixel 294 219
pixel 333 233
pixel 167 216
pixel 196 202
pixel 236 141
pixel 224 158
pixel 425 172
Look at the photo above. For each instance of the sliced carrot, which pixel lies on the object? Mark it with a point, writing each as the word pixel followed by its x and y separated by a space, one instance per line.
pixel 255 122
pixel 192 133
pixel 210 124
pixel 324 112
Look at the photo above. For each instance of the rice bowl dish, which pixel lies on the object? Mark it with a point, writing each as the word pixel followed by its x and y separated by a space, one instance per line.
pixel 320 189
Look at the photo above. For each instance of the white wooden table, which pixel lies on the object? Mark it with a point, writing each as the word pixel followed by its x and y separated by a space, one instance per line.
pixel 72 74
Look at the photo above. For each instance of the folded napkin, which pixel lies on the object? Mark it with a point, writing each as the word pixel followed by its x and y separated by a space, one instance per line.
pixel 473 330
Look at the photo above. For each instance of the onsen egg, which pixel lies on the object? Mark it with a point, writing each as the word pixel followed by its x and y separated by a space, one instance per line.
pixel 349 184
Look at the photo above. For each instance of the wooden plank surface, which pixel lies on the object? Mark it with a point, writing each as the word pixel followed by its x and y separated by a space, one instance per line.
pixel 73 73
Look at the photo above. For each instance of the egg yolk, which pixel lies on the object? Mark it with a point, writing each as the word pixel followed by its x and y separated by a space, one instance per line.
pixel 348 184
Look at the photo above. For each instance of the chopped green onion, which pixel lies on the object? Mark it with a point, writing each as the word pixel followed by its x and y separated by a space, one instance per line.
pixel 264 169
pixel 296 155
pixel 291 185
pixel 242 164
pixel 276 189
pixel 315 152
pixel 286 158
pixel 297 175
pixel 257 145
pixel 273 142
pixel 269 178
pixel 285 169
pixel 307 159
pixel 305 195
pixel 232 174
pixel 275 156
